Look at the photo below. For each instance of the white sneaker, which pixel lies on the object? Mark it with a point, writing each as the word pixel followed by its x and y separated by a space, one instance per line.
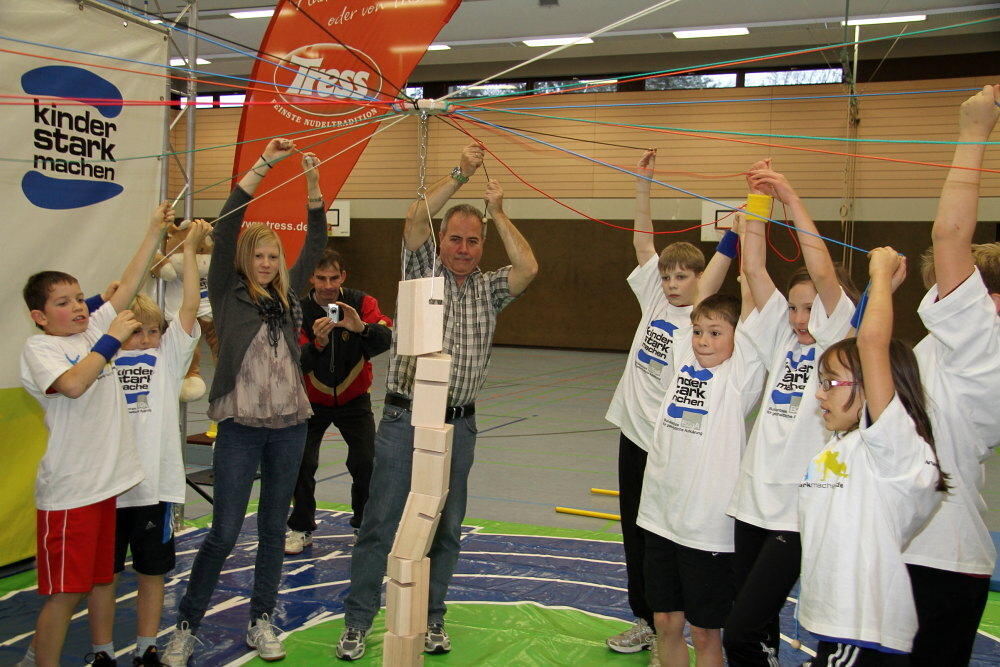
pixel 179 648
pixel 261 636
pixel 351 645
pixel 296 541
pixel 636 638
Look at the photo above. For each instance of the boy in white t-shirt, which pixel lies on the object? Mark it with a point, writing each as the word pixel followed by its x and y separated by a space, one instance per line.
pixel 89 458
pixel 950 561
pixel 667 287
pixel 151 367
pixel 690 475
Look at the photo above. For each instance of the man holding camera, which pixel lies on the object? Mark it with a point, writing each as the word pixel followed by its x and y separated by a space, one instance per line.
pixel 472 301
pixel 342 329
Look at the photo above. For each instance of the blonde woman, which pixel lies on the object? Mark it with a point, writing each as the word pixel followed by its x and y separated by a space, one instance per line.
pixel 257 398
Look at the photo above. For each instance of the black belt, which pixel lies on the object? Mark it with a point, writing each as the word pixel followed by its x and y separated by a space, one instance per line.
pixel 450 413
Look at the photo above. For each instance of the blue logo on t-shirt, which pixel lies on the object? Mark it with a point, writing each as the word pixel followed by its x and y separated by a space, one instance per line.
pixel 69 141
pixel 134 373
pixel 793 380
pixel 656 345
pixel 691 395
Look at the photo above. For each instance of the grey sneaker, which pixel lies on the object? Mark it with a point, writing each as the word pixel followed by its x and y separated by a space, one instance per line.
pixel 180 647
pixel 296 541
pixel 352 644
pixel 261 636
pixel 638 637
pixel 436 640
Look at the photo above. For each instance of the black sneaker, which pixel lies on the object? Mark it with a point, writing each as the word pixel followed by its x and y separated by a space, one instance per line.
pixel 436 640
pixel 100 659
pixel 151 658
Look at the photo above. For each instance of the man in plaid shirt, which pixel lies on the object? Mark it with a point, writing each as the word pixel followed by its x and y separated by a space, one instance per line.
pixel 473 299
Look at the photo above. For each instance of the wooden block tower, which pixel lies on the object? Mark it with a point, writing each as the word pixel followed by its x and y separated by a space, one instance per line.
pixel 419 331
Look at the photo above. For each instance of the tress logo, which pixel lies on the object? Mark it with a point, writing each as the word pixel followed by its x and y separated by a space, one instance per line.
pixel 320 71
pixel 73 145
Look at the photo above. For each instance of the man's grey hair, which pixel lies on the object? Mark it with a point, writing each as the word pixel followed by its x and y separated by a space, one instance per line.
pixel 463 209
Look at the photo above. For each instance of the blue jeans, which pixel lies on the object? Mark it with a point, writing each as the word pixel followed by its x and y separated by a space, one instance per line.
pixel 238 451
pixel 389 488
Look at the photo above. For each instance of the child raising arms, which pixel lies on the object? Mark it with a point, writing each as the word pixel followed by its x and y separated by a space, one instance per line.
pixel 869 490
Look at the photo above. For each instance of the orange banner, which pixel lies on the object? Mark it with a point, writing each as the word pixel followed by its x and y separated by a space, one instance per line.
pixel 327 66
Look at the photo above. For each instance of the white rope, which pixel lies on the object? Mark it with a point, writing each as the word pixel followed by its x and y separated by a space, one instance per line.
pixel 620 22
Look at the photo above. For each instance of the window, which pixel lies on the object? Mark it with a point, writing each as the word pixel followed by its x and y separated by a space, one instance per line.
pixel 490 89
pixel 200 102
pixel 691 81
pixel 573 86
pixel 416 92
pixel 794 77
pixel 235 100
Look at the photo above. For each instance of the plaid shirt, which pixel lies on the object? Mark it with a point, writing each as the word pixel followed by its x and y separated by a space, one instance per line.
pixel 470 319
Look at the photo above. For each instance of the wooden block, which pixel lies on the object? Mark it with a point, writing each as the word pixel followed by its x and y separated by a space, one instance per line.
pixel 435 367
pixel 403 651
pixel 406 607
pixel 407 571
pixel 420 316
pixel 430 400
pixel 430 472
pixel 433 439
pixel 417 526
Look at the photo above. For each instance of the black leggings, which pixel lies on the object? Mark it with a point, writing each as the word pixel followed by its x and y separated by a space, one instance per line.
pixel 949 607
pixel 765 568
pixel 631 468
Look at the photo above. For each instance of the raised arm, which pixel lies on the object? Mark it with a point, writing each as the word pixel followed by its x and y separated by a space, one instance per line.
pixel 886 268
pixel 417 227
pixel 163 216
pixel 753 242
pixel 77 379
pixel 642 237
pixel 957 211
pixel 316 238
pixel 814 250
pixel 190 285
pixel 276 149
pixel 524 267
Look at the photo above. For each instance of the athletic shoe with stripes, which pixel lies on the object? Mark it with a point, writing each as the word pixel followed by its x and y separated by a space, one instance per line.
pixel 637 637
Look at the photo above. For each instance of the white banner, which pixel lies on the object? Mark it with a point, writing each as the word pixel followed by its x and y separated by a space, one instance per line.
pixel 77 181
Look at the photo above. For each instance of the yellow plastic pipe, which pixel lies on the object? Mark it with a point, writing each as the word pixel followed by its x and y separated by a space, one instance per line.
pixel 605 492
pixel 596 515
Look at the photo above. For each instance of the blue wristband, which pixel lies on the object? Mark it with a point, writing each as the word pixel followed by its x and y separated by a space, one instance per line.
pixel 859 311
pixel 106 346
pixel 728 244
pixel 94 302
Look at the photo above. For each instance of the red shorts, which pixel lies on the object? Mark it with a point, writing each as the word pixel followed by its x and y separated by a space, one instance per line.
pixel 76 548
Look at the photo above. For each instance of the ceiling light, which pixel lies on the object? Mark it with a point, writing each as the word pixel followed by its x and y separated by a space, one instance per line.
pixel 180 62
pixel 156 21
pixel 557 41
pixel 252 14
pixel 711 32
pixel 886 19
pixel 438 47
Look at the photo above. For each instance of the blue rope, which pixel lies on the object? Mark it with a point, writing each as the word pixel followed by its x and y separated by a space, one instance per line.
pixel 653 180
pixel 473 109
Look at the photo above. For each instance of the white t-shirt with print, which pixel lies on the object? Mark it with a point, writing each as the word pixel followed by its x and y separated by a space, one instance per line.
pixel 89 456
pixel 863 497
pixel 650 364
pixel 960 368
pixel 151 381
pixel 789 428
pixel 695 458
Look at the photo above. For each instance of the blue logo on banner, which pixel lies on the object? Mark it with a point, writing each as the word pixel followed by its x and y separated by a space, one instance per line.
pixel 71 139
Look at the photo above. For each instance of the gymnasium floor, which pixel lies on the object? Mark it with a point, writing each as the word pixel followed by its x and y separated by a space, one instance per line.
pixel 532 588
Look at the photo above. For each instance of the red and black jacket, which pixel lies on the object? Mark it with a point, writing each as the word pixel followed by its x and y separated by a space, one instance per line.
pixel 341 371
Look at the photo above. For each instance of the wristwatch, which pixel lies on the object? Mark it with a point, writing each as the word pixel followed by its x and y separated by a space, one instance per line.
pixel 457 174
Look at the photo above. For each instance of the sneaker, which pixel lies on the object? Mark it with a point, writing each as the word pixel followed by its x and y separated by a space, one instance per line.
pixel 101 659
pixel 638 637
pixel 150 658
pixel 261 636
pixel 296 541
pixel 352 644
pixel 436 639
pixel 179 648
